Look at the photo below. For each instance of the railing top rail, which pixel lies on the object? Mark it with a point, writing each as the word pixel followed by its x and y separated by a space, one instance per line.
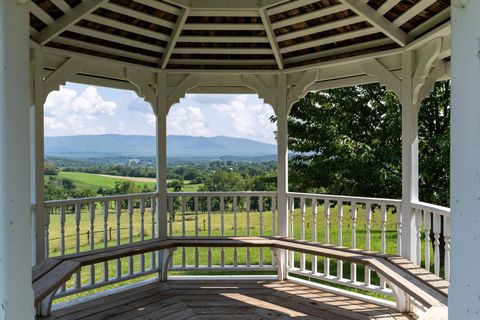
pixel 68 202
pixel 223 193
pixel 445 211
pixel 345 198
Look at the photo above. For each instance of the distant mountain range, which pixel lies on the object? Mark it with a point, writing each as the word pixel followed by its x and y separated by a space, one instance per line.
pixel 112 145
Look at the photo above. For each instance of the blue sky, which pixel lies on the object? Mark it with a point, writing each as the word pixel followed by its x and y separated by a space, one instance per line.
pixel 81 109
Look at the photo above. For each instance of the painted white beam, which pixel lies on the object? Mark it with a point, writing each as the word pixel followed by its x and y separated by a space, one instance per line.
pixel 320 28
pixel 39 13
pixel 160 5
pixel 330 39
pixel 59 77
pixel 253 62
pixel 413 11
pixel 387 6
pixel 464 288
pixel 380 22
pixel 430 23
pixel 385 76
pixel 127 27
pixel 68 19
pixel 223 39
pixel 177 30
pixel 114 38
pixel 224 13
pixel 62 5
pixel 138 14
pixel 223 51
pixel 309 16
pixel 223 26
pixel 289 6
pixel 16 294
pixel 271 37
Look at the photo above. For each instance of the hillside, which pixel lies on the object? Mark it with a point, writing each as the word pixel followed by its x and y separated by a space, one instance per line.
pixel 144 146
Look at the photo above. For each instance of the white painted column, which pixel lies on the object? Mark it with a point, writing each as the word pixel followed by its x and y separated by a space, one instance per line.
pixel 282 169
pixel 16 294
pixel 37 156
pixel 409 158
pixel 464 292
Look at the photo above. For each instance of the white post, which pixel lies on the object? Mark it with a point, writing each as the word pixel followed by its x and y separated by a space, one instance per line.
pixel 37 157
pixel 409 158
pixel 464 293
pixel 162 217
pixel 16 294
pixel 282 168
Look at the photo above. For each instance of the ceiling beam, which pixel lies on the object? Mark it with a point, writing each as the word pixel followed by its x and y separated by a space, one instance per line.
pixel 177 30
pixel 69 19
pixel 162 6
pixel 138 15
pixel 223 26
pixel 310 15
pixel 271 37
pixel 190 50
pixel 223 13
pixel 62 5
pixel 387 6
pixel 39 13
pixel 224 39
pixel 289 6
pixel 413 11
pixel 380 22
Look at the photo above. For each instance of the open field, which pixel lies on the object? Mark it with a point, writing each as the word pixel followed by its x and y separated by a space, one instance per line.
pixel 96 181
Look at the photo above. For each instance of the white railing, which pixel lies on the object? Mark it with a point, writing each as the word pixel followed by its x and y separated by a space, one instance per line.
pixel 364 223
pixel 82 225
pixel 222 214
pixel 433 228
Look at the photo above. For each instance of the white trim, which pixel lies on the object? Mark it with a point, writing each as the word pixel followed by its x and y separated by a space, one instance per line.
pixel 224 13
pixel 223 26
pixel 413 11
pixel 177 30
pixel 430 23
pixel 189 50
pixel 39 13
pixel 62 5
pixel 271 37
pixel 223 39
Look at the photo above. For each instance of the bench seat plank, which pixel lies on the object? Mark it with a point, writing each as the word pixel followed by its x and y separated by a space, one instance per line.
pixel 40 269
pixel 52 280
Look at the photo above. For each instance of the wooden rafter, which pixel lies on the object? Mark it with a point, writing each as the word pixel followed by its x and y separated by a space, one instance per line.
pixel 69 19
pixel 138 14
pixel 177 30
pixel 309 16
pixel 378 21
pixel 387 6
pixel 271 37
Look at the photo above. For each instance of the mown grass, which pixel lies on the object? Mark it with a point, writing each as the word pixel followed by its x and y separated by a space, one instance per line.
pixel 242 216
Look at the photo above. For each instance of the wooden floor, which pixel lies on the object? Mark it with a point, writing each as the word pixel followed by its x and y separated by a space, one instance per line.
pixel 226 300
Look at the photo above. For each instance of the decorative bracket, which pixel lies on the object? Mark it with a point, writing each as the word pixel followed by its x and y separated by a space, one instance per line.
pixel 190 82
pixel 268 95
pixel 439 70
pixel 299 90
pixel 279 261
pixel 385 76
pixel 166 258
pixel 59 77
pixel 143 89
pixel 402 299
pixel 428 57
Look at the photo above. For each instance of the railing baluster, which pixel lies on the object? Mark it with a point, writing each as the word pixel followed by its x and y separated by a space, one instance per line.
pixel 399 229
pixel 247 207
pixel 235 250
pixel 118 213
pixel 314 234
pixel 368 213
pixel 62 236
pixel 142 232
pixel 291 204
pixel 326 261
pixel 78 279
pixel 46 228
pixel 436 242
pixel 130 234
pixel 260 213
pixel 383 211
pixel 274 209
pixel 209 210
pixel 222 229
pixel 446 235
pixel 302 231
pixel 184 210
pixel 106 204
pixel 340 238
pixel 195 205
pixel 427 227
pixel 171 211
pixel 353 266
pixel 418 222
pixel 92 206
pixel 153 206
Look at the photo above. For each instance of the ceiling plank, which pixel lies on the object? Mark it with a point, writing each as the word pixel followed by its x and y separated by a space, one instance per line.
pixel 62 5
pixel 162 6
pixel 224 13
pixel 223 26
pixel 430 23
pixel 137 14
pixel 223 39
pixel 413 11
pixel 377 20
pixel 190 50
pixel 271 37
pixel 309 16
pixel 68 19
pixel 39 13
pixel 223 62
pixel 177 30
pixel 289 6
pixel 387 6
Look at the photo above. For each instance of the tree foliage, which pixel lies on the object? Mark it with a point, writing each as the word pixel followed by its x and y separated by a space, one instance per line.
pixel 348 141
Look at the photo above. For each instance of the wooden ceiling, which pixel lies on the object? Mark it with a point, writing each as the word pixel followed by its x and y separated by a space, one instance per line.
pixel 232 34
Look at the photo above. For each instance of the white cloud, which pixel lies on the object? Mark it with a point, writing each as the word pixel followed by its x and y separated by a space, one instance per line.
pixel 90 102
pixel 187 121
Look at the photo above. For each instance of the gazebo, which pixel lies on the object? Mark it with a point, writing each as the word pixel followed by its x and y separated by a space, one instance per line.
pixel 280 50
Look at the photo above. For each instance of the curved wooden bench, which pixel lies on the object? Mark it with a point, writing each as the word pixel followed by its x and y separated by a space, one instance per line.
pixel 403 277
